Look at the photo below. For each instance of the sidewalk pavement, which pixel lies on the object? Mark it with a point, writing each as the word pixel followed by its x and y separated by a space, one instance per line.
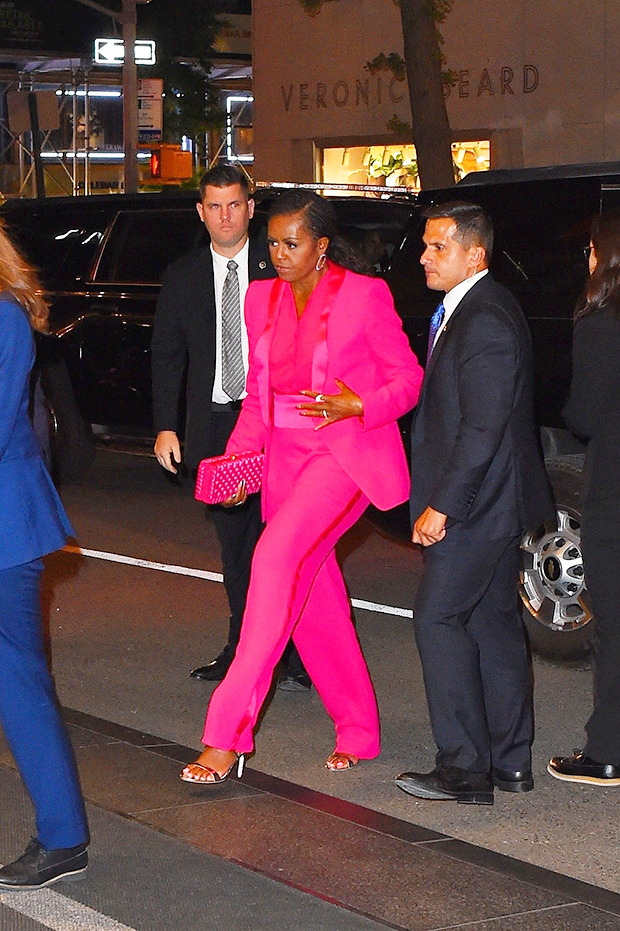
pixel 263 853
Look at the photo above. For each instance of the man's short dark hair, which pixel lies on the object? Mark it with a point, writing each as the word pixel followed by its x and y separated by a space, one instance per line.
pixel 474 227
pixel 225 176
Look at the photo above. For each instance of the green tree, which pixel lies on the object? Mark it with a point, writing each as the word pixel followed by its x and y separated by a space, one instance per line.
pixel 185 32
pixel 432 136
pixel 423 66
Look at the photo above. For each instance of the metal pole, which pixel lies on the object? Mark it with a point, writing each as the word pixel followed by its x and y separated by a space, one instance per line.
pixel 36 143
pixel 86 135
pixel 76 180
pixel 130 97
pixel 22 162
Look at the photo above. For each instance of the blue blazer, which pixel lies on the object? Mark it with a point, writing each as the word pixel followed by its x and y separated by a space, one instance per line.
pixel 34 521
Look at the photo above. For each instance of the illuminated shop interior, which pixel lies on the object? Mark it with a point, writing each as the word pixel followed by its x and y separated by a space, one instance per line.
pixel 395 165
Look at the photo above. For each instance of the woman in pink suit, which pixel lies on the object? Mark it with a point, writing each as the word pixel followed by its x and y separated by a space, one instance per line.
pixel 331 371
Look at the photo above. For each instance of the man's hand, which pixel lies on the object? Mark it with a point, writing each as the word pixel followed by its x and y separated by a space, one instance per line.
pixel 168 450
pixel 430 527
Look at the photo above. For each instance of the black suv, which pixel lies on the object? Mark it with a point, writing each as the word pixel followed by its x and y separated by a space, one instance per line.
pixel 101 260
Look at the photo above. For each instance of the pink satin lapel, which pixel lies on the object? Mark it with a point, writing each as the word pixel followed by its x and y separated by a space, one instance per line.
pixel 319 358
pixel 333 284
pixel 263 348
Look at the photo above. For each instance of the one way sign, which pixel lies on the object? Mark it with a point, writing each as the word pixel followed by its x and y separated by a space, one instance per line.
pixel 112 51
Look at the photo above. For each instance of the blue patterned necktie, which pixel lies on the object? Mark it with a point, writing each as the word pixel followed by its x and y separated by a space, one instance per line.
pixel 435 327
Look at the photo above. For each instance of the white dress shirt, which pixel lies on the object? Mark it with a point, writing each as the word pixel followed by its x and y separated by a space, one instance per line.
pixel 220 270
pixel 454 297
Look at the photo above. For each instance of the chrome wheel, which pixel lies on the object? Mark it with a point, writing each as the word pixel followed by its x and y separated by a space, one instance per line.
pixel 553 586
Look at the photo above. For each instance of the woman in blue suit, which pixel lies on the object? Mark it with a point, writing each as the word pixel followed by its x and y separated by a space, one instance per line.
pixel 34 523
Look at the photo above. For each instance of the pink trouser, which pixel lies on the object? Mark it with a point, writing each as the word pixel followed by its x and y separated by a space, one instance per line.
pixel 296 588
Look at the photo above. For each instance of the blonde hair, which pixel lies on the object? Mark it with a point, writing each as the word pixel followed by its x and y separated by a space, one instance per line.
pixel 19 278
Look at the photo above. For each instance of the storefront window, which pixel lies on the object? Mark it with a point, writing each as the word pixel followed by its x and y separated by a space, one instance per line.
pixel 394 165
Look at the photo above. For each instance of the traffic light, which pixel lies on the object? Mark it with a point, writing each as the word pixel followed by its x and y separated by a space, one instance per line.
pixel 155 164
pixel 170 163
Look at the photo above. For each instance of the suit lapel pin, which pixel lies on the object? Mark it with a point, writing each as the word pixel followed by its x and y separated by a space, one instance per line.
pixel 262 265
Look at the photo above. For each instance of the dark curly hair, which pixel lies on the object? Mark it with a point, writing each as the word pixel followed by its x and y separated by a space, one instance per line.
pixel 320 220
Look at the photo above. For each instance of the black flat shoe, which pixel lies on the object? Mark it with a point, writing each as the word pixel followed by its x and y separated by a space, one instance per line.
pixel 448 783
pixel 518 780
pixel 216 670
pixel 38 867
pixel 295 682
pixel 582 768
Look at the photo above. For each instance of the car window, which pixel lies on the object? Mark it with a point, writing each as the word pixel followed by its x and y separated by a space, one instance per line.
pixel 142 244
pixel 61 241
pixel 375 228
pixel 541 228
pixel 610 198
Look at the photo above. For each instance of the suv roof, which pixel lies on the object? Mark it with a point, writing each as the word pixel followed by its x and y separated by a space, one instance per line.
pixel 543 173
pixel 67 238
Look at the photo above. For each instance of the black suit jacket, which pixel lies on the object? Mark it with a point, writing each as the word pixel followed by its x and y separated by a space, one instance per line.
pixel 184 343
pixel 475 454
pixel 593 407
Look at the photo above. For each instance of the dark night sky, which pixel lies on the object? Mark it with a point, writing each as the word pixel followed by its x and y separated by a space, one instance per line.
pixel 42 26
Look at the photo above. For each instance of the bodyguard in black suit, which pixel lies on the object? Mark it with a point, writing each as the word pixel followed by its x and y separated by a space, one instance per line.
pixel 477 483
pixel 187 341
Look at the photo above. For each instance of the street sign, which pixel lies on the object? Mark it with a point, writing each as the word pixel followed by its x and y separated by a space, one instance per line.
pixel 150 109
pixel 112 51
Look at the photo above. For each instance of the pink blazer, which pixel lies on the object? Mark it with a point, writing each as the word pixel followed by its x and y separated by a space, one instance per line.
pixel 365 347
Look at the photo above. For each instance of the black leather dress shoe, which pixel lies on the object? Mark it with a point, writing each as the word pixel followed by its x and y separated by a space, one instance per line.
pixel 216 670
pixel 449 783
pixel 507 780
pixel 295 682
pixel 38 867
pixel 582 768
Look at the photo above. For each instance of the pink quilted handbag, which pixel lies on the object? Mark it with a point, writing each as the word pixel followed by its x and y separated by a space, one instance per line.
pixel 218 478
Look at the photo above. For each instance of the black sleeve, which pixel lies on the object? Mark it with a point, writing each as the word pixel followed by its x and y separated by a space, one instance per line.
pixel 595 380
pixel 168 355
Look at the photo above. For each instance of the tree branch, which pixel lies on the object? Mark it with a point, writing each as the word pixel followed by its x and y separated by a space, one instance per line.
pixel 102 9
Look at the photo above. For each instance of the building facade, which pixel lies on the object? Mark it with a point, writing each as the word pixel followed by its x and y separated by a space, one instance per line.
pixel 536 83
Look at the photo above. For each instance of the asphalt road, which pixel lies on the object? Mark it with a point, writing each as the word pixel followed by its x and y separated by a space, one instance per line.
pixel 124 635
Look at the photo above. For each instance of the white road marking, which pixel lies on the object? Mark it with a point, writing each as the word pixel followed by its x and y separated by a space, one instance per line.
pixel 146 564
pixel 381 609
pixel 58 913
pixel 216 577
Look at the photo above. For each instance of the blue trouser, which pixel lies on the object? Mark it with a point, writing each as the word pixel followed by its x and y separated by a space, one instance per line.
pixel 30 716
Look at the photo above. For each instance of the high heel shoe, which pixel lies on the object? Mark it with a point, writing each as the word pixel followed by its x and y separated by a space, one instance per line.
pixel 339 762
pixel 213 776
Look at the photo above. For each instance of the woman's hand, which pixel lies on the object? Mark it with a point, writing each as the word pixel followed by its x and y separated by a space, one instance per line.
pixel 240 497
pixel 332 407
